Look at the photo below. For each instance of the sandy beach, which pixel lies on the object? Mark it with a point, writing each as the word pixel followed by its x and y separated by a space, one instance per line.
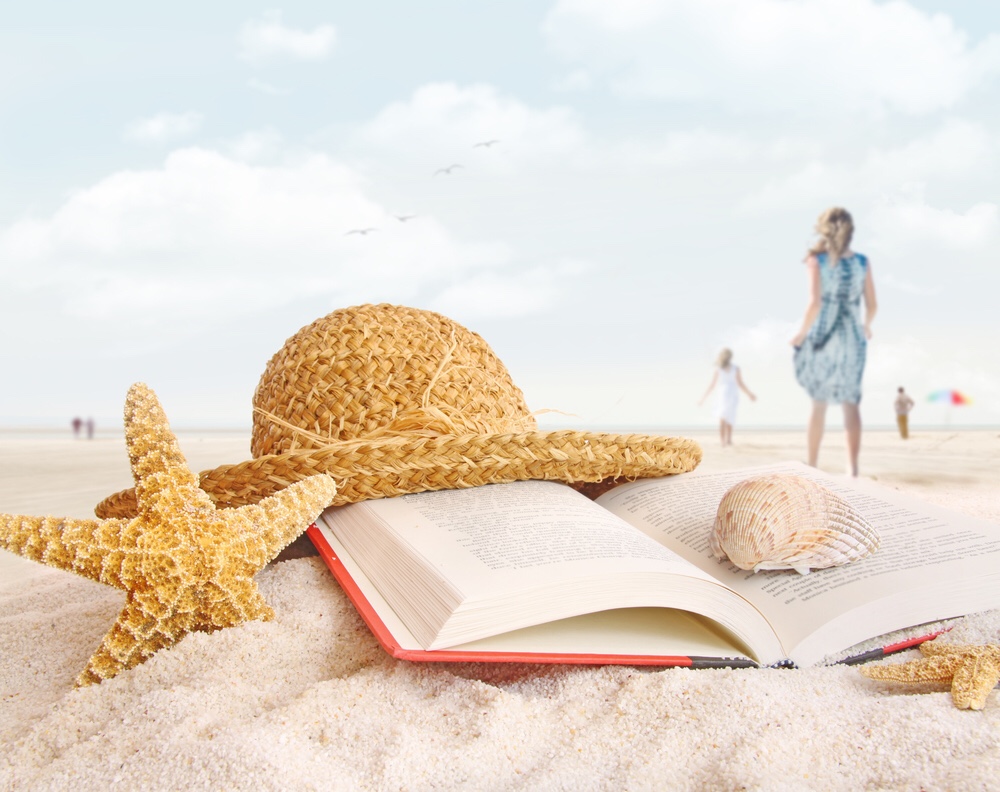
pixel 310 701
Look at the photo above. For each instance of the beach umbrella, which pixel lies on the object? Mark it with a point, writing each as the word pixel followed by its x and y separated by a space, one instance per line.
pixel 949 397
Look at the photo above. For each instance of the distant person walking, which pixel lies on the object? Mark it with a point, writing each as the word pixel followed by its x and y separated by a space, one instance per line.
pixel 90 428
pixel 77 424
pixel 727 377
pixel 831 346
pixel 903 405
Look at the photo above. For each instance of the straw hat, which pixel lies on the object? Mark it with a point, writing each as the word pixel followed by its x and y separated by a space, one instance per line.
pixel 390 400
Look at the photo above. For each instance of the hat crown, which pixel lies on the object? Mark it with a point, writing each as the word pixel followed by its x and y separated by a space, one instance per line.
pixel 382 370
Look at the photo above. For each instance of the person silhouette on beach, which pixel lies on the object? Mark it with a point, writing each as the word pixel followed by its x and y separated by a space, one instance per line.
pixel 903 405
pixel 90 428
pixel 77 424
pixel 831 346
pixel 727 376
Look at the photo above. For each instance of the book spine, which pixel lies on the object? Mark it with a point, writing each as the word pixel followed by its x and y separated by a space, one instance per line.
pixel 722 662
pixel 876 654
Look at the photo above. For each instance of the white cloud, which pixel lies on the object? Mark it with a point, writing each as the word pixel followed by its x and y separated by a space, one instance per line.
pixel 508 294
pixel 164 127
pixel 579 80
pixel 206 237
pixel 688 149
pixel 825 55
pixel 254 144
pixel 265 87
pixel 956 150
pixel 894 282
pixel 937 257
pixel 767 339
pixel 447 120
pixel 268 37
pixel 914 223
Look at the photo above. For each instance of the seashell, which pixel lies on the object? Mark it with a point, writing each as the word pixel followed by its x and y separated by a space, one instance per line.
pixel 789 522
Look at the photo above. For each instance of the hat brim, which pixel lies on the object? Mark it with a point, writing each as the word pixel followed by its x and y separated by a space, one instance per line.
pixel 399 465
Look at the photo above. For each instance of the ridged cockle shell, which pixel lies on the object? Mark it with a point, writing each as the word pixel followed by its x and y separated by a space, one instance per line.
pixel 789 522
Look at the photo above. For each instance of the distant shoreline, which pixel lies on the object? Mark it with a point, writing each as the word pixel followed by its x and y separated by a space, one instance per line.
pixel 111 432
pixel 194 431
pixel 831 426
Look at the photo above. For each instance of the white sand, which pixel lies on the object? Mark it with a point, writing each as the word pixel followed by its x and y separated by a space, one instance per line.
pixel 309 700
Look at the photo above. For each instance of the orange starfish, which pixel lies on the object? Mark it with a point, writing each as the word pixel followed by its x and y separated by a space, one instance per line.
pixel 973 671
pixel 183 564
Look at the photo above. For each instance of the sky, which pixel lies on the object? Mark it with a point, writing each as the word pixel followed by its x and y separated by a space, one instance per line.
pixel 178 183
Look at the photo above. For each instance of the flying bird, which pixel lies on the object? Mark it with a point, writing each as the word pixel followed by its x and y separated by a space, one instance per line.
pixel 447 171
pixel 485 143
pixel 361 231
pixel 404 218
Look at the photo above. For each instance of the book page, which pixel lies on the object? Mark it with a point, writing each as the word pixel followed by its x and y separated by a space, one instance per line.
pixel 666 634
pixel 520 554
pixel 520 528
pixel 931 564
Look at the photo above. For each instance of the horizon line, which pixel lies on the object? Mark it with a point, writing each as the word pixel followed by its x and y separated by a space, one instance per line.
pixel 644 428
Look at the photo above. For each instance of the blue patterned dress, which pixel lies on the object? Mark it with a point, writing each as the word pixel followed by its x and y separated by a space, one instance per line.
pixel 831 360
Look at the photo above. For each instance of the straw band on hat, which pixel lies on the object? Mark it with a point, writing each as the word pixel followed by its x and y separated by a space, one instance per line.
pixel 391 400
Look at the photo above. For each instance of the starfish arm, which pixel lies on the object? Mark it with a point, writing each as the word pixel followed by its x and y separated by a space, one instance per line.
pixel 929 669
pixel 937 648
pixel 973 671
pixel 133 638
pixel 269 526
pixel 137 634
pixel 86 547
pixel 974 681
pixel 164 483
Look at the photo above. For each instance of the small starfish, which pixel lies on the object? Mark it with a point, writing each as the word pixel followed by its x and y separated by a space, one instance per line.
pixel 184 565
pixel 973 671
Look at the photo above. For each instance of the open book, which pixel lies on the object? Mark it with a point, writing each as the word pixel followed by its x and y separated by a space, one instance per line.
pixel 534 571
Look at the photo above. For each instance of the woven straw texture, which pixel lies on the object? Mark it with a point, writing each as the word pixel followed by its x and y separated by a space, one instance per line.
pixel 391 400
pixel 379 370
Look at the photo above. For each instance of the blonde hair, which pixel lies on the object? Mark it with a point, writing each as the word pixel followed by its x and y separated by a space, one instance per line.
pixel 725 356
pixel 835 228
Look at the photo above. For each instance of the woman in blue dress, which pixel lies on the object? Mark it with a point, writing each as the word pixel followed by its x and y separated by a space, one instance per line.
pixel 831 345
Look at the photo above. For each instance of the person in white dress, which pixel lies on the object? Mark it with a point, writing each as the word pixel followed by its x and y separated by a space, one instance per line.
pixel 727 376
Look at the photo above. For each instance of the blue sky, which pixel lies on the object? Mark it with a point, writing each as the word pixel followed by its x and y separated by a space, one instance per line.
pixel 177 184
